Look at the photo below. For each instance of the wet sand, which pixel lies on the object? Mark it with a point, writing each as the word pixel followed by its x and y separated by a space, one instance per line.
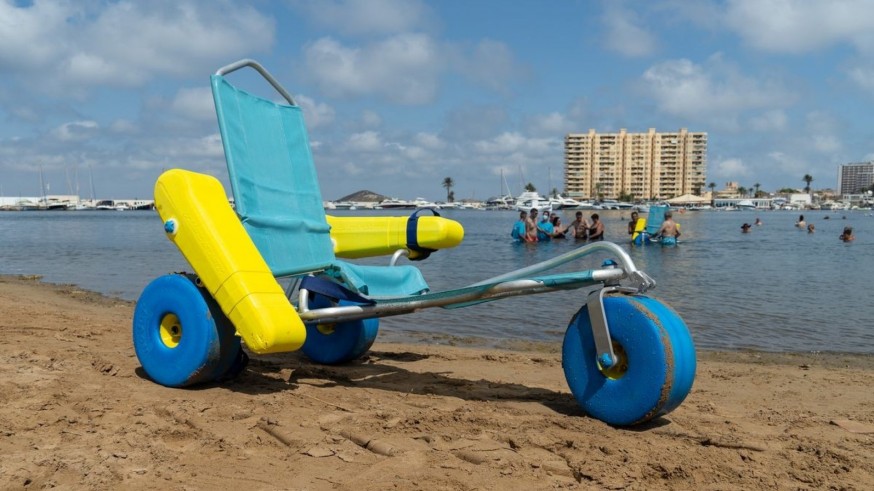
pixel 76 411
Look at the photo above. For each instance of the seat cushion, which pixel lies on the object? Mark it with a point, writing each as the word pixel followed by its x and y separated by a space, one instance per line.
pixel 380 281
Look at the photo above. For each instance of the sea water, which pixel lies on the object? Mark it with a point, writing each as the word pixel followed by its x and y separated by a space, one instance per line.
pixel 777 288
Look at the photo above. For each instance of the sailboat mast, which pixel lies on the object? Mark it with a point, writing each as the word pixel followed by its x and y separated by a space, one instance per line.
pixel 42 188
pixel 91 179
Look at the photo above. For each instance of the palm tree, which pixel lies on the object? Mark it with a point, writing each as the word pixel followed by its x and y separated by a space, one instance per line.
pixel 530 187
pixel 742 191
pixel 448 183
pixel 807 180
pixel 712 186
pixel 757 186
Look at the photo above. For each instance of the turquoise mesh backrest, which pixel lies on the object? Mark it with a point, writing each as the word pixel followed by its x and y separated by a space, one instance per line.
pixel 656 218
pixel 273 179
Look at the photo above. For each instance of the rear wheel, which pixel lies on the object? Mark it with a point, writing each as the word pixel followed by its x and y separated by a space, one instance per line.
pixel 332 344
pixel 655 368
pixel 181 337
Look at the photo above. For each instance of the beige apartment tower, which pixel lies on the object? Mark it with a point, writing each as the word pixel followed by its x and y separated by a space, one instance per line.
pixel 646 165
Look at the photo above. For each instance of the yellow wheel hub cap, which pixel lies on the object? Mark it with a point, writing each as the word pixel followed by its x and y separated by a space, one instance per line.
pixel 171 330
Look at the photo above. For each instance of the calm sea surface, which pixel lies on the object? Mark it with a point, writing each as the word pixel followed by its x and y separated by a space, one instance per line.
pixel 776 288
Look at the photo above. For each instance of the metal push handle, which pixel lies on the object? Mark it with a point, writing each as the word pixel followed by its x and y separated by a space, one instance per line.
pixel 260 69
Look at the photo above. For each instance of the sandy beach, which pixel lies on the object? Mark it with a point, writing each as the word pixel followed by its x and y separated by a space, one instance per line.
pixel 76 411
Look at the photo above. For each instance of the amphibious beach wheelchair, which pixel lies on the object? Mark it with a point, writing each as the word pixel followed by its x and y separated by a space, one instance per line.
pixel 627 358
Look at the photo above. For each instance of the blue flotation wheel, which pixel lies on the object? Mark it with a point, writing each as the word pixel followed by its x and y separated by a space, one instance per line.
pixel 655 367
pixel 332 344
pixel 181 336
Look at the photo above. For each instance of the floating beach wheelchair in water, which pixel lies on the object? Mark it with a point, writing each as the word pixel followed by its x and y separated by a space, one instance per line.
pixel 627 358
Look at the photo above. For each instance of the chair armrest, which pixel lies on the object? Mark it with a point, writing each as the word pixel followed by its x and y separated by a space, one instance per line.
pixel 357 237
pixel 200 221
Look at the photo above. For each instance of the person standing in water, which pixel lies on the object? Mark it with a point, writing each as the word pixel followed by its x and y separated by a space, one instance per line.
pixel 670 230
pixel 847 235
pixel 579 228
pixel 632 225
pixel 531 226
pixel 596 231
pixel 518 232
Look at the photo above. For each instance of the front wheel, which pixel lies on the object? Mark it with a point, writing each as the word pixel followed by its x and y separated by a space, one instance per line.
pixel 655 368
pixel 181 336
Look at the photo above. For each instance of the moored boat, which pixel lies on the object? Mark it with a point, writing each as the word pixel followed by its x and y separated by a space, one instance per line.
pixel 395 204
pixel 531 200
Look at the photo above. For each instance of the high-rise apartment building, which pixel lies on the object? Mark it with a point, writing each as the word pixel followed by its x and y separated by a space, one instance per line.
pixel 855 178
pixel 645 165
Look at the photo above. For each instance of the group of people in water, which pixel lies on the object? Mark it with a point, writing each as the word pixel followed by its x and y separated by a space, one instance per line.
pixel 846 235
pixel 529 229
pixel 667 234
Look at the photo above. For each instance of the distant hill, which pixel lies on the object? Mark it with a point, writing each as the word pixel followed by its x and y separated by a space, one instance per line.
pixel 363 196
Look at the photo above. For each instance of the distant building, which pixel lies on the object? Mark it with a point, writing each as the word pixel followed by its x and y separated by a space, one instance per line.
pixel 855 178
pixel 645 165
pixel 799 199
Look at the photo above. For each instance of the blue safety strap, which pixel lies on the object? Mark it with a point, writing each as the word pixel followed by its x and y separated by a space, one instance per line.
pixel 412 242
pixel 332 290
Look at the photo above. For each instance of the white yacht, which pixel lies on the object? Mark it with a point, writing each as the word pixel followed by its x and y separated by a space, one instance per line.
pixel 500 203
pixel 530 199
pixel 612 204
pixel 559 202
pixel 423 203
pixel 344 205
pixel 395 204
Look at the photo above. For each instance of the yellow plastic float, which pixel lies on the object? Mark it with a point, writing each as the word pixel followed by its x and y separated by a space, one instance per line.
pixel 357 237
pixel 200 221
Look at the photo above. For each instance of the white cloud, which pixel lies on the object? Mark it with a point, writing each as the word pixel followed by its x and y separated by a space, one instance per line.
pixel 554 123
pixel 123 126
pixel 76 131
pixel 514 142
pixel 195 103
pixel 370 119
pixel 774 120
pixel 209 146
pixel 367 141
pixel 731 169
pixel 714 92
pixel 402 69
pixel 429 141
pixel 79 45
pixel 316 114
pixel 29 36
pixel 826 143
pixel 789 164
pixel 862 76
pixel 823 130
pixel 490 64
pixel 368 16
pixel 624 33
pixel 800 26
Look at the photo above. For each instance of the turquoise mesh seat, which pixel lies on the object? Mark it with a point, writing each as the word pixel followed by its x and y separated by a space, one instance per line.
pixel 277 195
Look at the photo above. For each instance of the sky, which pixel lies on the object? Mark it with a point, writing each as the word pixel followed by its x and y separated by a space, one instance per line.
pixel 400 94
